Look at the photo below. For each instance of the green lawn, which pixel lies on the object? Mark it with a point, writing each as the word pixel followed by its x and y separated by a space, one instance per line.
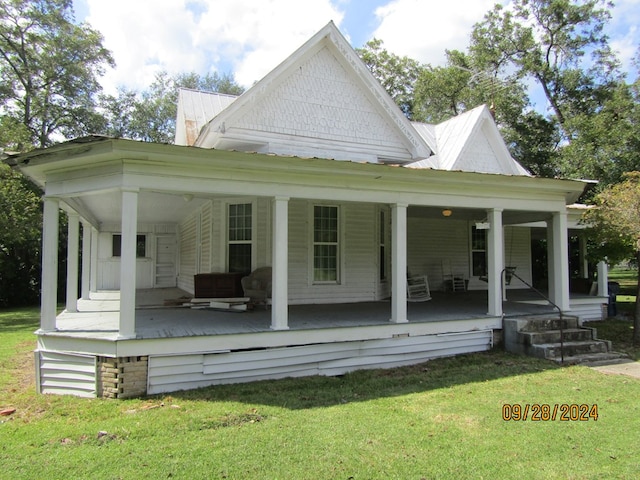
pixel 442 419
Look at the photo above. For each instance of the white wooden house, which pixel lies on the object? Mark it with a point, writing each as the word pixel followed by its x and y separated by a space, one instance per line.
pixel 315 172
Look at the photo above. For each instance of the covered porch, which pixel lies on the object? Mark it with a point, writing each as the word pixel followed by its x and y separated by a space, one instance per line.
pixel 98 317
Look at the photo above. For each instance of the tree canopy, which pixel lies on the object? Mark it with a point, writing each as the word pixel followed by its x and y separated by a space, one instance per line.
pixel 150 115
pixel 615 227
pixel 49 68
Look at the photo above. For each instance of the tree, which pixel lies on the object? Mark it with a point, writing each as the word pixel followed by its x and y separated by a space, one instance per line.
pixel 444 92
pixel 49 68
pixel 396 74
pixel 559 44
pixel 590 130
pixel 606 144
pixel 615 224
pixel 20 223
pixel 150 115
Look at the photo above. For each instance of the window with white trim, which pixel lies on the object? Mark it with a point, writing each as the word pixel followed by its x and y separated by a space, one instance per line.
pixel 382 246
pixel 325 244
pixel 478 252
pixel 116 245
pixel 239 239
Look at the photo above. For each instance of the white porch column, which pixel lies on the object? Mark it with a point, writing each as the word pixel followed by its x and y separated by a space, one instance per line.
pixel 560 255
pixel 86 260
pixel 49 287
pixel 73 229
pixel 127 327
pixel 280 258
pixel 399 263
pixel 93 275
pixel 495 261
pixel 551 264
pixel 603 279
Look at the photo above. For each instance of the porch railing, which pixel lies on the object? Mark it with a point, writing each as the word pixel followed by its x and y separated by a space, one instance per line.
pixel 510 271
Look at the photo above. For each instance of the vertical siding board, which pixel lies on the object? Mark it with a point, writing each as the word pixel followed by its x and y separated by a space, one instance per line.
pixel 205 238
pixel 187 254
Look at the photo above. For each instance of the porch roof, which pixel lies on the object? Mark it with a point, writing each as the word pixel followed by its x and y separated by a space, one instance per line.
pixel 166 172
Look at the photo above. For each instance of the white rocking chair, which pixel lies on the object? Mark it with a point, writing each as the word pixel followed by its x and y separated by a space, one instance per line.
pixel 418 289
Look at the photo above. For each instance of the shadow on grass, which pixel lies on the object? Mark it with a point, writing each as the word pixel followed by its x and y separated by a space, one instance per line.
pixel 620 332
pixel 363 385
pixel 19 319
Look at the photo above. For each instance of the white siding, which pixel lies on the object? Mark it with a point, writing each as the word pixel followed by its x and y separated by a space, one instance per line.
pixel 358 255
pixel 434 245
pixel 430 243
pixel 187 254
pixel 108 274
pixel 205 241
pixel 517 253
pixel 179 372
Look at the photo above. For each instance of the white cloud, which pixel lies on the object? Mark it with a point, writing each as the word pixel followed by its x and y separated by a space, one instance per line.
pixel 624 33
pixel 423 30
pixel 249 37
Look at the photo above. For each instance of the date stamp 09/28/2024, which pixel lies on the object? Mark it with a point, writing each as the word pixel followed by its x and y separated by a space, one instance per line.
pixel 545 412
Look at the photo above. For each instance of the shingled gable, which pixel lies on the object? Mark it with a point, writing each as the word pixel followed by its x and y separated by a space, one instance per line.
pixel 468 142
pixel 320 102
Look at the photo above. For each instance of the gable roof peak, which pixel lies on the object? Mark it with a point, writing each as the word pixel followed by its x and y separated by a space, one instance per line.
pixel 328 45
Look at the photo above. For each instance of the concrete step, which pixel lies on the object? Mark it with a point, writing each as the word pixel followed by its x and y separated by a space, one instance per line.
pixel 549 323
pixel 553 336
pixel 571 349
pixel 594 359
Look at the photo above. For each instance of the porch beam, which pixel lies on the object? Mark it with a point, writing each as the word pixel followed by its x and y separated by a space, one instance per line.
pixel 559 294
pixel 127 326
pixel 49 286
pixel 399 263
pixel 73 232
pixel 495 261
pixel 86 260
pixel 280 270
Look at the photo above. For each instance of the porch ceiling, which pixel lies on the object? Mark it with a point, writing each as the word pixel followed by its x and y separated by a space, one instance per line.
pixel 510 217
pixel 161 207
pixel 153 207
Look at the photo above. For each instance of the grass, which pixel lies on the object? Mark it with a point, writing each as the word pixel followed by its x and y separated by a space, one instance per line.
pixel 441 419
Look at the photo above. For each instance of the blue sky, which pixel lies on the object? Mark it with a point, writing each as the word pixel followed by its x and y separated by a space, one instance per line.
pixel 250 37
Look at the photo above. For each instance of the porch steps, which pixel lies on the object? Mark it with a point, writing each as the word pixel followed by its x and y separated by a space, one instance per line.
pixel 561 340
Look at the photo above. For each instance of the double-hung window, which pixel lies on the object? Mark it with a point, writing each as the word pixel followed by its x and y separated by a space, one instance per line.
pixel 382 247
pixel 478 252
pixel 325 244
pixel 239 221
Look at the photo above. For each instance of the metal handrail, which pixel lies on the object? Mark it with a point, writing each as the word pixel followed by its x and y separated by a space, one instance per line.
pixel 514 274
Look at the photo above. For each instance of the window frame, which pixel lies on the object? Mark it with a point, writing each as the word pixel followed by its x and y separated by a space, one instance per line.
pixel 383 251
pixel 337 243
pixel 473 250
pixel 226 232
pixel 116 245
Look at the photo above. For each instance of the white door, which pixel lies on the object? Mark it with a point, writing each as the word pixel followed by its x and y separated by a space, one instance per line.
pixel 165 275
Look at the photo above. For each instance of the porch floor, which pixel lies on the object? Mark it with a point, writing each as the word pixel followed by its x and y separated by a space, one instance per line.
pixel 98 317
